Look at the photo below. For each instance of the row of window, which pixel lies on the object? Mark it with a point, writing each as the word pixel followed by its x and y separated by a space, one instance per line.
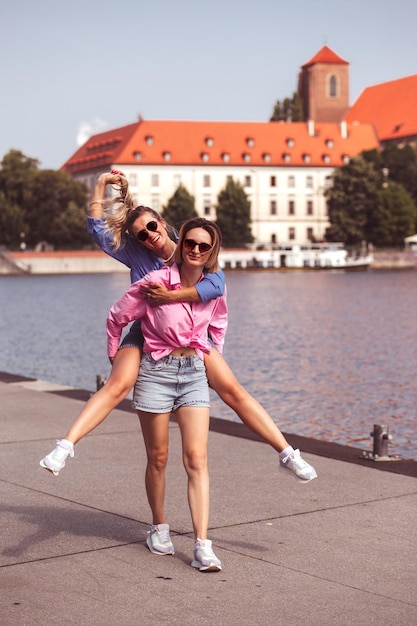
pixel 273 206
pixel 247 181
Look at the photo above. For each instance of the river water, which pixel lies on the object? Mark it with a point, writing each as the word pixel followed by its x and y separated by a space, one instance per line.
pixel 328 354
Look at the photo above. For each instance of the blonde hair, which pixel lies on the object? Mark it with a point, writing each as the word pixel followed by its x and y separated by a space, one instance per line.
pixel 120 220
pixel 212 262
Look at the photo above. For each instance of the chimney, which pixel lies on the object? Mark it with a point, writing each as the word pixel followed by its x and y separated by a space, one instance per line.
pixel 310 127
pixel 343 129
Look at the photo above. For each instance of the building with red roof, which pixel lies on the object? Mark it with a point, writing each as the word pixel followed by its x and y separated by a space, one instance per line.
pixel 284 167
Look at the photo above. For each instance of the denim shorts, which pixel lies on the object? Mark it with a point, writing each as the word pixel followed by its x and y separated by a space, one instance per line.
pixel 134 337
pixel 169 383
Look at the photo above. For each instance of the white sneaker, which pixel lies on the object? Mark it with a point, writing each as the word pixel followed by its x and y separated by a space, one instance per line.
pixel 204 558
pixel 55 460
pixel 159 541
pixel 296 464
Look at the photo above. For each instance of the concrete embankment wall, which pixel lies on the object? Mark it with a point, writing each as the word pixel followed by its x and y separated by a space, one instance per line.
pixel 96 261
pixel 70 262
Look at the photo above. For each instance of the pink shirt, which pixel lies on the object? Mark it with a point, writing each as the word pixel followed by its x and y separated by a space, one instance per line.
pixel 169 326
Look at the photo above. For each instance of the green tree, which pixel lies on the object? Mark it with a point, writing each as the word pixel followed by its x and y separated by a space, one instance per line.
pixel 393 217
pixel 16 171
pixel 401 164
pixel 180 208
pixel 12 223
pixel 50 195
pixel 288 110
pixel 350 199
pixel 233 215
pixel 69 228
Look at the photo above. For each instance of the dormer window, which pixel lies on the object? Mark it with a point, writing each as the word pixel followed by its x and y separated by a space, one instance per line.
pixel 205 157
pixel 286 157
pixel 226 157
pixel 209 142
pixel 290 143
pixel 250 142
pixel 246 157
pixel 167 156
pixel 329 143
pixel 137 155
pixel 266 157
pixel 149 140
pixel 306 158
pixel 326 158
pixel 345 159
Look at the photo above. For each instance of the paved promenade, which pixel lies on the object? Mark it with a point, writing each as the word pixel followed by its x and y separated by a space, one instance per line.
pixel 339 551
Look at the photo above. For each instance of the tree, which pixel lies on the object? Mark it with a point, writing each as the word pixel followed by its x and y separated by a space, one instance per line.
pixel 289 110
pixel 180 208
pixel 50 195
pixel 350 200
pixel 12 223
pixel 233 215
pixel 393 217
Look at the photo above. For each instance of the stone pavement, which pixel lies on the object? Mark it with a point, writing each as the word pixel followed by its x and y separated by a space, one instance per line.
pixel 338 551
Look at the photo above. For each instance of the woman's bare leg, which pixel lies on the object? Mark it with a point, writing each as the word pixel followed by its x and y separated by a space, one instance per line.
pixel 252 414
pixel 194 426
pixel 155 430
pixel 122 378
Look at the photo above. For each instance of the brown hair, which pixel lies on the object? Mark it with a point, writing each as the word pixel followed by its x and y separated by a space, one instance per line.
pixel 212 262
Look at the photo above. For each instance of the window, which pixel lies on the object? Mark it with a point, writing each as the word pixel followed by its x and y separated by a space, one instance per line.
pixel 345 159
pixel 248 181
pixel 306 158
pixel 310 236
pixel 290 143
pixel 309 207
pixel 329 143
pixel 206 205
pixel 137 155
pixel 167 156
pixel 209 142
pixel 266 157
pixel 309 182
pixel 273 238
pixel 154 180
pixel 291 233
pixel 246 157
pixel 226 157
pixel 291 207
pixel 332 86
pixel 149 140
pixel 250 142
pixel 205 157
pixel 132 180
pixel 273 207
pixel 291 181
pixel 273 181
pixel 286 157
pixel 206 180
pixel 326 158
pixel 155 205
pixel 177 180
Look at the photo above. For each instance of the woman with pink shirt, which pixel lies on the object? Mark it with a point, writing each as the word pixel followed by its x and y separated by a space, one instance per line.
pixel 138 237
pixel 172 377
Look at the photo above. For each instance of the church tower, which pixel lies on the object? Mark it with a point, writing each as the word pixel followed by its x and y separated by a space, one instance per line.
pixel 323 84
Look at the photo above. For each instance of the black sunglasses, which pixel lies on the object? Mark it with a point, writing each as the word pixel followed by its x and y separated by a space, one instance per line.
pixel 143 234
pixel 190 244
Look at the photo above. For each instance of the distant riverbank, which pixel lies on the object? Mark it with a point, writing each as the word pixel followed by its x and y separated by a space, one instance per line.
pixel 97 262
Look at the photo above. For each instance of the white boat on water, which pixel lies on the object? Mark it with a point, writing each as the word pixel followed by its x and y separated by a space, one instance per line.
pixel 316 256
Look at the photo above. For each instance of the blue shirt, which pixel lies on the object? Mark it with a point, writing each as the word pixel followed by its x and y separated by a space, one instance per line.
pixel 141 261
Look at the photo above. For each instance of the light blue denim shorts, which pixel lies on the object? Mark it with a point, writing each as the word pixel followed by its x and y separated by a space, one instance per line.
pixel 134 337
pixel 169 383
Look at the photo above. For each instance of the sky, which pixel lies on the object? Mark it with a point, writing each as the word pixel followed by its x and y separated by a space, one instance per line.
pixel 72 69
